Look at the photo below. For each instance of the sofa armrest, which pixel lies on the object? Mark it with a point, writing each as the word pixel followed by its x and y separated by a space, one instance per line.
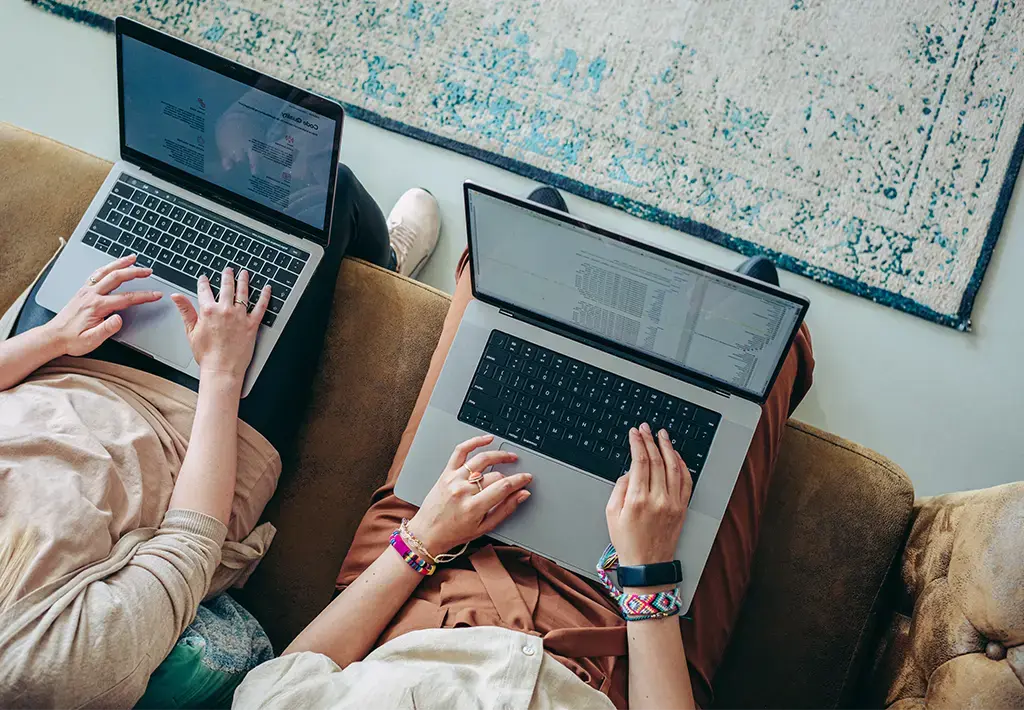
pixel 45 188
pixel 833 525
pixel 957 637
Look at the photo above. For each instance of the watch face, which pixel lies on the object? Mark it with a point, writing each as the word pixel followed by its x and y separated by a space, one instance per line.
pixel 651 575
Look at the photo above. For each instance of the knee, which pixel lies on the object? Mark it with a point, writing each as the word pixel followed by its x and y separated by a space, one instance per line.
pixel 346 180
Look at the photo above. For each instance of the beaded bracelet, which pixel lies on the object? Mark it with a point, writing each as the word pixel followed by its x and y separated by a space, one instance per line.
pixel 411 558
pixel 636 607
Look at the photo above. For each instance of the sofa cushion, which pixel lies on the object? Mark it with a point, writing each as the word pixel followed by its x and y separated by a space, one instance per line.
pixel 834 522
pixel 958 638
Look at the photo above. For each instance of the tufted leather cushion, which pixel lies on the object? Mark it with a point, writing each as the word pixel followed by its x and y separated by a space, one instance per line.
pixel 959 639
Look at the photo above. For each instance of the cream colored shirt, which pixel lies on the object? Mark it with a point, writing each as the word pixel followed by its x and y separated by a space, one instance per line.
pixel 446 669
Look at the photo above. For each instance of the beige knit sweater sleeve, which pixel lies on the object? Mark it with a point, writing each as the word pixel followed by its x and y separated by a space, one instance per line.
pixel 106 628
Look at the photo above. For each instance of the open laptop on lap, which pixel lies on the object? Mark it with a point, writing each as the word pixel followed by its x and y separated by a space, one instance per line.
pixel 577 334
pixel 220 166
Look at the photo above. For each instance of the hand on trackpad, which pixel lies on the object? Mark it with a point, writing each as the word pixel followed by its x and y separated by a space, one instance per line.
pixel 156 328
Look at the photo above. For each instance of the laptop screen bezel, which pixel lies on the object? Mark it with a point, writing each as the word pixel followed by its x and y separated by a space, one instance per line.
pixel 125 27
pixel 593 339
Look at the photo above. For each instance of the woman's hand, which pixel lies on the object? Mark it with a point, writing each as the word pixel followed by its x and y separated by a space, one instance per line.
pixel 89 318
pixel 648 505
pixel 223 333
pixel 455 511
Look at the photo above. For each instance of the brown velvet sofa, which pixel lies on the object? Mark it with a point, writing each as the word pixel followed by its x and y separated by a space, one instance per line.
pixel 838 612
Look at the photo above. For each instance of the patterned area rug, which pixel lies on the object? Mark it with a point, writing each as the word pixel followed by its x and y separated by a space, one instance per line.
pixel 869 144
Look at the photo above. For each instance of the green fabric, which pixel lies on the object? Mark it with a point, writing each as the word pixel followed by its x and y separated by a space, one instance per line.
pixel 211 658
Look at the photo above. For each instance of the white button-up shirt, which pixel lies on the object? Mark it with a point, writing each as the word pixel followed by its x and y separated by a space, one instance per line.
pixel 449 669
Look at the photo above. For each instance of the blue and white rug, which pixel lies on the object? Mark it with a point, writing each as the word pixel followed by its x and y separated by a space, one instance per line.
pixel 869 144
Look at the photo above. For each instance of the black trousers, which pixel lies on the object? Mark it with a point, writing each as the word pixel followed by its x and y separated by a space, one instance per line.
pixel 276 405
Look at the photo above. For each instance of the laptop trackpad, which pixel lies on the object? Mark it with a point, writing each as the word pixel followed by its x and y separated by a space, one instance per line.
pixel 564 516
pixel 155 328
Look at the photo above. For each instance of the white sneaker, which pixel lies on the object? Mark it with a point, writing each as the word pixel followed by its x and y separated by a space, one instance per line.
pixel 414 225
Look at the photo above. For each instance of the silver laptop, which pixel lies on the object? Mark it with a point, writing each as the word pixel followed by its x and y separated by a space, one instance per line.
pixel 577 334
pixel 220 166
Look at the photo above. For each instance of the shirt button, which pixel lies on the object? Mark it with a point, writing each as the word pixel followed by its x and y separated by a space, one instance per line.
pixel 529 650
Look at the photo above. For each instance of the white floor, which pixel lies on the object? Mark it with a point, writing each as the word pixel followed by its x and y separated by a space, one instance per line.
pixel 944 405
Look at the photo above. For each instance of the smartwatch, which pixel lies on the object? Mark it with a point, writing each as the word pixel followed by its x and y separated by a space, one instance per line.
pixel 654 575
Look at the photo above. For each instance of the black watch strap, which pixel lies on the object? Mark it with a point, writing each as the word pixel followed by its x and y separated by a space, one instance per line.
pixel 650 575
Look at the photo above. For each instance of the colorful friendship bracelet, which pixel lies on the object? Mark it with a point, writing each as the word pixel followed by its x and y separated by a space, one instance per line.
pixel 636 607
pixel 420 565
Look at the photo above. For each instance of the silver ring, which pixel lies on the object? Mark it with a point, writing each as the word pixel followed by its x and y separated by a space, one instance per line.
pixel 92 281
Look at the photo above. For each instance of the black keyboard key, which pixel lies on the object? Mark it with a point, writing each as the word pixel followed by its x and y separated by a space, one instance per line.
pixel 255 264
pixel 107 230
pixel 707 419
pixel 686 410
pixel 286 277
pixel 279 290
pixel 270 254
pixel 142 260
pixel 150 249
pixel 276 304
pixel 189 235
pixel 297 265
pixel 484 403
pixel 230 236
pixel 190 219
pixel 103 244
pixel 488 387
pixel 192 268
pixel 282 260
pixel 178 278
pixel 177 229
pixel 123 190
pixel 90 238
pixel 126 238
pixel 228 252
pixel 177 213
pixel 152 202
pixel 179 246
pixel 138 212
pixel 257 282
pixel 161 238
pixel 203 225
pixel 515 432
pixel 139 245
pixel 255 249
pixel 533 438
pixel 242 260
pixel 219 263
pixel 617 455
pixel 216 230
pixel 165 255
pixel 215 246
pixel 128 223
pixel 203 240
pixel 583 459
pixel 192 251
pixel 205 258
pixel 243 242
pixel 269 270
pixel 150 217
pixel 164 208
pixel 178 262
pixel 269 318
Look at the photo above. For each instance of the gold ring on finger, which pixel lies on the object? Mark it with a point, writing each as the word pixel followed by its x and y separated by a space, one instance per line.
pixel 93 281
pixel 239 302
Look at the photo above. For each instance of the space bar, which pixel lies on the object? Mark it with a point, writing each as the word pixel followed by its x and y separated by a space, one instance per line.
pixel 584 460
pixel 175 277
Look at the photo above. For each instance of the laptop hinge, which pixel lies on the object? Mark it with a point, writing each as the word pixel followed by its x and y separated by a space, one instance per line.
pixel 618 352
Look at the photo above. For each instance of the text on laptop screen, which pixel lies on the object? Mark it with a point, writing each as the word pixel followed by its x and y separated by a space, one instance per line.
pixel 727 331
pixel 256 145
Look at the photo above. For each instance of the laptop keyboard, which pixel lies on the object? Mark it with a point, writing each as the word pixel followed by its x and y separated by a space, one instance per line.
pixel 576 413
pixel 181 241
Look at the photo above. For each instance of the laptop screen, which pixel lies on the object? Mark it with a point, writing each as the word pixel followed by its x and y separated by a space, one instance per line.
pixel 682 313
pixel 256 145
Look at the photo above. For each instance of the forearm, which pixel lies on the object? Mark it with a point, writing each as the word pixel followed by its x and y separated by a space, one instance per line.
pixel 658 675
pixel 206 482
pixel 346 630
pixel 23 354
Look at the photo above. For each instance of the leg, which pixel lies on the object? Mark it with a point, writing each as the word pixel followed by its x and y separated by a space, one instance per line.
pixel 276 405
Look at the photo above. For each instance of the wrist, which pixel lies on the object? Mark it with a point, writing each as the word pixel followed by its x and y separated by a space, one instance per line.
pixel 220 378
pixel 435 546
pixel 650 590
pixel 52 341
